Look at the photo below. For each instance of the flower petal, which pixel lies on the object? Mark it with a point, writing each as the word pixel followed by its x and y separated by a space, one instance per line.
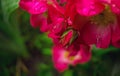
pixel 33 6
pixel 58 58
pixel 95 34
pixel 89 7
pixel 116 34
pixel 55 13
pixel 39 20
pixel 56 28
pixel 115 6
pixel 79 21
pixel 85 54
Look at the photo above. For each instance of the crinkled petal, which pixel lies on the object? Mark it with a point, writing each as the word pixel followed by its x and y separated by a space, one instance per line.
pixel 33 6
pixel 89 7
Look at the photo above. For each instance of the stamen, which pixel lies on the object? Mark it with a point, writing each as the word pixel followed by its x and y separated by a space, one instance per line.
pixel 104 18
pixel 66 55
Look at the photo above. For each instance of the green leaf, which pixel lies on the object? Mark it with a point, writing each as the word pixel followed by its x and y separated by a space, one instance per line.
pixel 10 34
pixel 44 70
pixel 4 72
pixel 8 6
pixel 47 51
pixel 68 73
pixel 99 51
pixel 116 69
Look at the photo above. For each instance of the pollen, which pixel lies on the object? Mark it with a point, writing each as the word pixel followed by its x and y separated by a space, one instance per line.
pixel 104 18
pixel 66 54
pixel 49 2
pixel 71 58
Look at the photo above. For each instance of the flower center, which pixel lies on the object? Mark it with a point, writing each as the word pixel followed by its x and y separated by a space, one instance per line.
pixel 104 18
pixel 66 55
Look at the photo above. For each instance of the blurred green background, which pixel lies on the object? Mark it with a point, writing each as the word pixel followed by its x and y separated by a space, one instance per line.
pixel 25 51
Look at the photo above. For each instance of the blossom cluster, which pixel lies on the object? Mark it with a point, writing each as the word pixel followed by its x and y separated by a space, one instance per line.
pixel 74 26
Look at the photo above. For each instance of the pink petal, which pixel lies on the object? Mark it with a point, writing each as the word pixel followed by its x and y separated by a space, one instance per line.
pixel 79 21
pixel 39 20
pixel 59 63
pixel 84 53
pixel 89 7
pixel 115 6
pixel 79 54
pixel 116 34
pixel 63 1
pixel 55 13
pixel 95 34
pixel 56 29
pixel 70 10
pixel 33 6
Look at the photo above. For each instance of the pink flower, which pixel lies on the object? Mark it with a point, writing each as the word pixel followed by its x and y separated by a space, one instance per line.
pixel 68 49
pixel 63 57
pixel 62 19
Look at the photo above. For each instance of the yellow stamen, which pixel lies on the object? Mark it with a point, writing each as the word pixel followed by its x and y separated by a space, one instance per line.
pixel 71 58
pixel 66 55
pixel 49 2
